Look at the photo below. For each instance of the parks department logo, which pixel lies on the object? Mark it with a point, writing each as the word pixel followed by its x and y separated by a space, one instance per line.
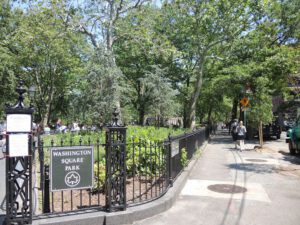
pixel 72 179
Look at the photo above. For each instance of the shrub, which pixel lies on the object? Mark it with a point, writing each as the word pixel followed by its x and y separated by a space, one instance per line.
pixel 183 158
pixel 99 175
pixel 145 158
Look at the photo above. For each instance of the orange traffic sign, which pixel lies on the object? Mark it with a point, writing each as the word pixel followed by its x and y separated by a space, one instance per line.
pixel 244 101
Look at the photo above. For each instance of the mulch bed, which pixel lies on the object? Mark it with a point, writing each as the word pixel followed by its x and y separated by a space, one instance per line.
pixel 138 189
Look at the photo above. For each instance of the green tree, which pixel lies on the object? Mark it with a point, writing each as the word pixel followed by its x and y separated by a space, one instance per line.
pixel 142 54
pixel 99 23
pixel 94 99
pixel 196 28
pixel 9 21
pixel 48 56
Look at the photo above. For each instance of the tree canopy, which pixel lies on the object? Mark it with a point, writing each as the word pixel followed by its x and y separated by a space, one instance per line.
pixel 176 58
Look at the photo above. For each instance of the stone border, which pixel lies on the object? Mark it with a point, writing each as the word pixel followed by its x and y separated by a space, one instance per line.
pixel 131 214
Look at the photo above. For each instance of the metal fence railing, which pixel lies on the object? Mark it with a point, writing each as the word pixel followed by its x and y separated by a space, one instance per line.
pixel 69 200
pixel 188 142
pixel 151 168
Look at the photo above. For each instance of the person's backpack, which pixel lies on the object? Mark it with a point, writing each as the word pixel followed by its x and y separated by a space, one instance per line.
pixel 234 128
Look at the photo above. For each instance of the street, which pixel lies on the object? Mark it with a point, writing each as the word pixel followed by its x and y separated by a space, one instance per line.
pixel 229 187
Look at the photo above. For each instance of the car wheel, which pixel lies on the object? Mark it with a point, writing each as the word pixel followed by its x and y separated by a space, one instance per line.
pixel 292 150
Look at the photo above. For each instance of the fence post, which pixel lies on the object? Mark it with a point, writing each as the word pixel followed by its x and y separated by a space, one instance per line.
pixel 41 159
pixel 46 203
pixel 19 161
pixel 115 155
pixel 170 161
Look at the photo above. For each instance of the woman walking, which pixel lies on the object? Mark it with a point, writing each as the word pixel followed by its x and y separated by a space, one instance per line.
pixel 241 135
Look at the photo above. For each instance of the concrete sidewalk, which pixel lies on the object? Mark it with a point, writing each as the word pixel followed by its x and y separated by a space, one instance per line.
pixel 264 195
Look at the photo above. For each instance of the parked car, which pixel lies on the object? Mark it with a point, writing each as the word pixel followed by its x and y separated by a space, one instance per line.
pixel 270 130
pixel 288 124
pixel 293 137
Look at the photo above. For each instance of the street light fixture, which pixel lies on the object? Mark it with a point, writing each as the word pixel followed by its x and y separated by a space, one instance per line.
pixel 31 92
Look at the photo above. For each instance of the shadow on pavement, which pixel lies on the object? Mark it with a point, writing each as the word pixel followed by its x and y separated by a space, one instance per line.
pixel 220 138
pixel 250 167
pixel 295 159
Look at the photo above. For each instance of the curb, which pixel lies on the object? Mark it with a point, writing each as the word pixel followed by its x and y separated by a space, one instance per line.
pixel 131 214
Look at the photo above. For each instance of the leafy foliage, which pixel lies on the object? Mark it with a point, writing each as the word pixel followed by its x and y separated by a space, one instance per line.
pixel 48 56
pixel 192 59
pixel 183 158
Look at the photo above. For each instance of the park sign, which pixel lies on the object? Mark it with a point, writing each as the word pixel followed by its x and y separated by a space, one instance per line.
pixel 71 167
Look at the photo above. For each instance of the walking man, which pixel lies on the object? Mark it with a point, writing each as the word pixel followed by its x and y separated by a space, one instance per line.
pixel 233 129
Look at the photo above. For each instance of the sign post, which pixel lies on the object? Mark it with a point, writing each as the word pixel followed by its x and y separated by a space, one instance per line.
pixel 245 102
pixel 18 162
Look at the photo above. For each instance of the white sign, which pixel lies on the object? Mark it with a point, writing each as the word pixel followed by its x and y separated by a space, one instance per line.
pixel 18 123
pixel 175 147
pixel 18 145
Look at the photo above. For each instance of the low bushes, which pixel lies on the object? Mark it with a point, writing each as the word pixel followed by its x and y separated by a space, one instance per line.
pixel 145 151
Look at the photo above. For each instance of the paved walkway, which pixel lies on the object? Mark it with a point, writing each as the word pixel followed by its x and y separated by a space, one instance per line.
pixel 269 197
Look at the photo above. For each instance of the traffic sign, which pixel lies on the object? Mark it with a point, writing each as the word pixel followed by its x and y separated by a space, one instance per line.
pixel 244 101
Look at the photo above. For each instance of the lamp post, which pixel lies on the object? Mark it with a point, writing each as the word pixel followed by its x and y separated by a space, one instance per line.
pixel 19 161
pixel 31 92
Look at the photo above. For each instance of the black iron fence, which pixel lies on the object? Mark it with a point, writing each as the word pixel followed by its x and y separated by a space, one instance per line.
pixel 151 168
pixel 183 148
pixel 69 200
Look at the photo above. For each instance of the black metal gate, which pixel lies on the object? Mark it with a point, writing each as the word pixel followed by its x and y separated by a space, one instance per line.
pixel 19 197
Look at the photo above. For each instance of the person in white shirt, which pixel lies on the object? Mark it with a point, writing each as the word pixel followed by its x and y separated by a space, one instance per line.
pixel 241 135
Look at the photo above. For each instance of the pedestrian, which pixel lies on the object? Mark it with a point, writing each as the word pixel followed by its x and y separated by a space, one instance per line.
pixel 233 128
pixel 241 135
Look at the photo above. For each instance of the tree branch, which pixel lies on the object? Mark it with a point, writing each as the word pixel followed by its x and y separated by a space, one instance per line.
pixel 83 30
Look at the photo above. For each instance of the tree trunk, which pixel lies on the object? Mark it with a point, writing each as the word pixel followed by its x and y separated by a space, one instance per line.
pixel 191 116
pixel 47 116
pixel 234 109
pixel 141 116
pixel 48 111
pixel 260 134
pixel 185 120
pixel 209 113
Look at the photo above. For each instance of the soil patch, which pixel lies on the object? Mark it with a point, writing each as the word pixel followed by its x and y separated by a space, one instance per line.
pixel 138 189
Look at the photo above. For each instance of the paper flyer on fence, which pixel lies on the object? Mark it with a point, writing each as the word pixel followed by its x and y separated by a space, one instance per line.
pixel 18 145
pixel 18 123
